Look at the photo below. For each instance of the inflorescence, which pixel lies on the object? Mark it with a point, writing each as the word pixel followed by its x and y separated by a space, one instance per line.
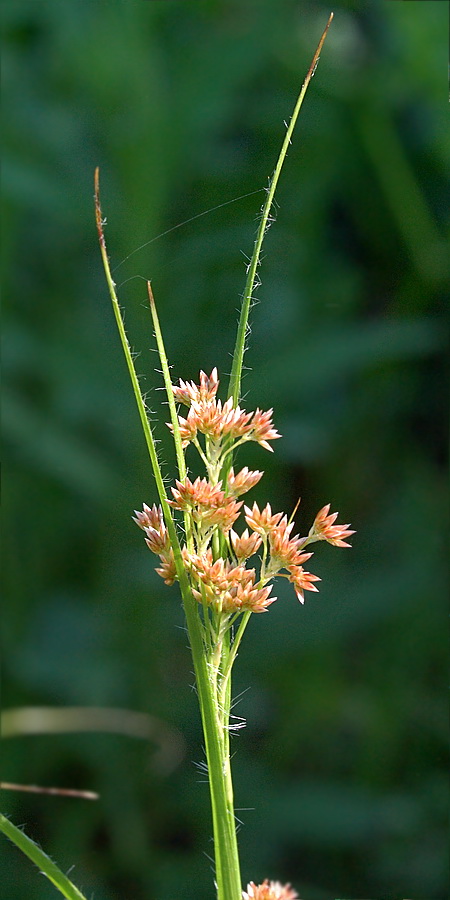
pixel 215 556
pixel 269 890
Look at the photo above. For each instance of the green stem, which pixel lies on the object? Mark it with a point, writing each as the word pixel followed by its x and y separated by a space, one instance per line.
pixel 226 676
pixel 41 860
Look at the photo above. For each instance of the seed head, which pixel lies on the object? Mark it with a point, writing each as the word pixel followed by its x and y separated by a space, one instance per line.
pixel 201 492
pixel 262 429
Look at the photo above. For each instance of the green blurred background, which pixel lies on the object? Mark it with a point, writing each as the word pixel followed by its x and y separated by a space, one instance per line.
pixel 341 768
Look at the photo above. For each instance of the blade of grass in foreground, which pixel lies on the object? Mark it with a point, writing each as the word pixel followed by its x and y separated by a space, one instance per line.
pixel 239 350
pixel 41 860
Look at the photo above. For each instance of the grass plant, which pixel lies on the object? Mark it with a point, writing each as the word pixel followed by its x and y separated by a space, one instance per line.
pixel 192 532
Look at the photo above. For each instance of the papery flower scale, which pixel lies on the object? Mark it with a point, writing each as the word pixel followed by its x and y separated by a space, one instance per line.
pixel 167 570
pixel 188 428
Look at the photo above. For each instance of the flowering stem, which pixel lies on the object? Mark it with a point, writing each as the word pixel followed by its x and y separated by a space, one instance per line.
pixel 211 640
pixel 225 842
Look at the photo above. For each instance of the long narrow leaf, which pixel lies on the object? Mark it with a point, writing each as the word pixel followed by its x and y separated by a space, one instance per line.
pixel 41 860
pixel 239 350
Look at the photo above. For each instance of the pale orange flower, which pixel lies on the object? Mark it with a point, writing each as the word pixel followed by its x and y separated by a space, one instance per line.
pixel 223 516
pixel 302 581
pixel 323 528
pixel 209 416
pixel 235 421
pixel 200 492
pixel 261 521
pixel 250 598
pixel 188 428
pixel 284 550
pixel 269 890
pixel 157 540
pixel 262 429
pixel 149 517
pixel 167 570
pixel 188 392
pixel 229 588
pixel 245 545
pixel 243 481
pixel 221 573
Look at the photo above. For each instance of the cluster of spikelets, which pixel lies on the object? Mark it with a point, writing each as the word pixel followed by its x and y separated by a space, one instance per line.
pixel 269 890
pixel 226 582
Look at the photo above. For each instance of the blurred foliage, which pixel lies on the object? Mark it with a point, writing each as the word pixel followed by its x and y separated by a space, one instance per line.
pixel 181 103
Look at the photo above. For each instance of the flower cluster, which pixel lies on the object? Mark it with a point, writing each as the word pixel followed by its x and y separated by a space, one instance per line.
pixel 269 890
pixel 219 422
pixel 214 555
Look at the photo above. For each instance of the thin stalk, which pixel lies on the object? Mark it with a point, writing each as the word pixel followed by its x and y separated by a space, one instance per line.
pixel 232 656
pixel 224 828
pixel 168 385
pixel 172 407
pixel 131 368
pixel 238 356
pixel 41 860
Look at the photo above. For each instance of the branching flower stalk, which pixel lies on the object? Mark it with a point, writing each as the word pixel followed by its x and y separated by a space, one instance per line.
pixel 225 572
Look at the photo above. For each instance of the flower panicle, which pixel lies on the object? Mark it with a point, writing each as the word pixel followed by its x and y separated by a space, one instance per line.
pixel 211 505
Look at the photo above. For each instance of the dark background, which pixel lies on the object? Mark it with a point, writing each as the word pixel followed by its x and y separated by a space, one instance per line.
pixel 182 105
